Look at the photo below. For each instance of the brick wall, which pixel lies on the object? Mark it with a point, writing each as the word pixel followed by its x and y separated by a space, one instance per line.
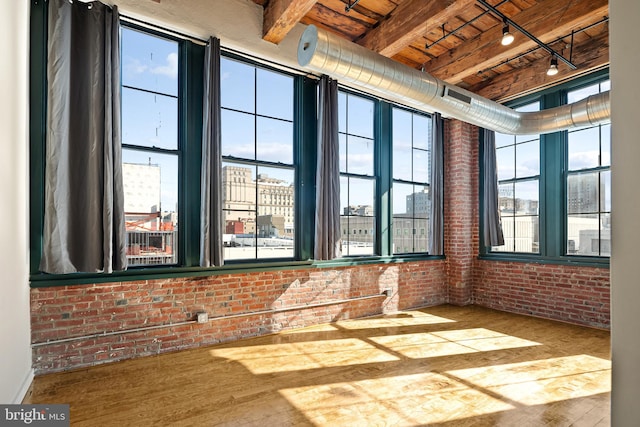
pixel 568 293
pixel 460 208
pixel 65 312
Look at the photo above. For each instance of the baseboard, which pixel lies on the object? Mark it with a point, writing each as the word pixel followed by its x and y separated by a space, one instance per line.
pixel 24 388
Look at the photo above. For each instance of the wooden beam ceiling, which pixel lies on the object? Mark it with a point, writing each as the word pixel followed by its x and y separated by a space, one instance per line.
pixel 533 78
pixel 471 57
pixel 547 20
pixel 280 16
pixel 410 21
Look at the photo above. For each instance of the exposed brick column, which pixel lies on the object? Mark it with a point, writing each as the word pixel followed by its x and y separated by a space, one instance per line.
pixel 461 229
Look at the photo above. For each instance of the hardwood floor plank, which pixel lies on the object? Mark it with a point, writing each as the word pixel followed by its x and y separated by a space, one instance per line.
pixel 441 366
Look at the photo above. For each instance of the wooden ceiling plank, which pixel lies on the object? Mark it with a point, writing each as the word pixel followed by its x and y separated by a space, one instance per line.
pixel 547 20
pixel 280 16
pixel 409 21
pixel 589 55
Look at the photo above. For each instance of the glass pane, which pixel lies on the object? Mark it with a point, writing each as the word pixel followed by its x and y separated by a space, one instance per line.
pixel 359 155
pixel 421 166
pixel 584 148
pixel 527 231
pixel 238 189
pixel 577 95
pixel 360 116
pixel 149 120
pixel 534 106
pixel 402 143
pixel 275 219
pixel 275 141
pixel 275 94
pixel 583 235
pixel 402 163
pixel 149 62
pixel 404 229
pixel 605 234
pixel 605 145
pixel 403 201
pixel 503 140
pixel 526 198
pixel 342 138
pixel 238 134
pixel 605 191
pixel 342 112
pixel 240 238
pixel 421 132
pixel 151 207
pixel 421 238
pixel 237 85
pixel 357 220
pixel 583 193
pixel 506 200
pixel 505 158
pixel 528 159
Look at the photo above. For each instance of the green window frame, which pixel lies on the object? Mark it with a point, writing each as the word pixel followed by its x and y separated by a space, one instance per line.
pixel 411 149
pixel 258 152
pixel 554 246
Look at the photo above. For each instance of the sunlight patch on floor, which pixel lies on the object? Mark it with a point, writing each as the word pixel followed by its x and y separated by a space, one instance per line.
pixel 542 381
pixel 307 355
pixel 406 400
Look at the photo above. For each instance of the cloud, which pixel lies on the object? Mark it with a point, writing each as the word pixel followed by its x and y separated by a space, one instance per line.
pixel 583 160
pixel 170 69
pixel 134 66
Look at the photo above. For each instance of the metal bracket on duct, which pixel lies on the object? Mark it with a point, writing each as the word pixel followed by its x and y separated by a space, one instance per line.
pixel 345 61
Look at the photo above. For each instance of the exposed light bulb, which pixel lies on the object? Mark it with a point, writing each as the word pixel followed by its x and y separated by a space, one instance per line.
pixel 507 37
pixel 553 68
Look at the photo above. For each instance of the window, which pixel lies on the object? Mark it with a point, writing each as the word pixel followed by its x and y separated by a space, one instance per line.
pixel 518 163
pixel 357 179
pixel 258 170
pixel 151 152
pixel 411 172
pixel 589 184
pixel 555 188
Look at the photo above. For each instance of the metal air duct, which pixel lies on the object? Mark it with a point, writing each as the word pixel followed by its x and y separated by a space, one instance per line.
pixel 345 61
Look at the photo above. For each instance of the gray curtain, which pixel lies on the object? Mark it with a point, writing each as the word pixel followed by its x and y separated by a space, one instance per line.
pixel 211 219
pixel 491 221
pixel 436 217
pixel 84 226
pixel 328 243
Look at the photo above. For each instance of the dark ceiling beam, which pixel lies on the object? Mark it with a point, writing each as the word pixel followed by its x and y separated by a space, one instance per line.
pixel 548 20
pixel 410 21
pixel 280 16
pixel 589 55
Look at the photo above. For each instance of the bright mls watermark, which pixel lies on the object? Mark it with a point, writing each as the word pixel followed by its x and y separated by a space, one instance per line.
pixel 34 415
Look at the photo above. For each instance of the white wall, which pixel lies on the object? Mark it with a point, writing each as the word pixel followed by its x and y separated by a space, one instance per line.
pixel 625 275
pixel 15 351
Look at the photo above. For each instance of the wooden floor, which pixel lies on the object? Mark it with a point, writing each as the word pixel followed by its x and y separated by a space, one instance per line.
pixel 441 366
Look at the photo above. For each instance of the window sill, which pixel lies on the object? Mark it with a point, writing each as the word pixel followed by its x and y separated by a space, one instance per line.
pixel 582 261
pixel 43 280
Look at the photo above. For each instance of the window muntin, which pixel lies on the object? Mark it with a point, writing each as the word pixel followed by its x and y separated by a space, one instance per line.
pixel 258 167
pixel 411 138
pixel 588 184
pixel 518 170
pixel 357 173
pixel 150 155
